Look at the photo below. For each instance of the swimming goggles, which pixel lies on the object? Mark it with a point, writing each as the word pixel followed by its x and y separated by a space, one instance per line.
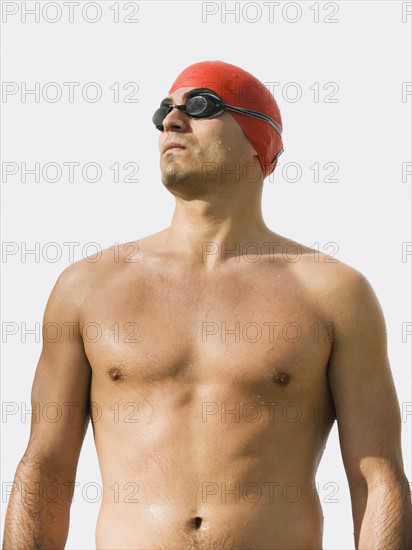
pixel 208 105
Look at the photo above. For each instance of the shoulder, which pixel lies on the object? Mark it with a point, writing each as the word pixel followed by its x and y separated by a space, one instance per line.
pixel 334 278
pixel 70 289
pixel 106 265
pixel 341 291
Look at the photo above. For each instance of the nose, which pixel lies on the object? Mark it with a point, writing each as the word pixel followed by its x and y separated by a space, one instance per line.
pixel 176 120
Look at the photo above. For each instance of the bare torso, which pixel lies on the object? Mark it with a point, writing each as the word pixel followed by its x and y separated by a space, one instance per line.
pixel 212 385
pixel 209 398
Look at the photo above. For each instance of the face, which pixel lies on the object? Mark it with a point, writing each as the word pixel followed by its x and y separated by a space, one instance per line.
pixel 212 149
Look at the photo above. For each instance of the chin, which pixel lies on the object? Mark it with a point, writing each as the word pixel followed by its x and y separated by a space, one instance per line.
pixel 172 175
pixel 187 185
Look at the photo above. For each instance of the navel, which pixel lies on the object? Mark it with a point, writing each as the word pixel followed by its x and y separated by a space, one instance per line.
pixel 116 374
pixel 195 522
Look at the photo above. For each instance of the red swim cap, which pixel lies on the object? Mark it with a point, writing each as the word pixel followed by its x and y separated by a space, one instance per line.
pixel 241 89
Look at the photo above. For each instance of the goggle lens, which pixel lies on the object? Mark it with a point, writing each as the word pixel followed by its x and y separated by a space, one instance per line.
pixel 160 115
pixel 199 106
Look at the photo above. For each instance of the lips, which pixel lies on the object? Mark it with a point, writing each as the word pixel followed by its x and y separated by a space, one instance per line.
pixel 172 145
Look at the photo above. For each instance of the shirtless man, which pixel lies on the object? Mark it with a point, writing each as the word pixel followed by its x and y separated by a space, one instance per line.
pixel 213 358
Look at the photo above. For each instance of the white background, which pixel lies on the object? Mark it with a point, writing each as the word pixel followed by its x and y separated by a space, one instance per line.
pixel 367 133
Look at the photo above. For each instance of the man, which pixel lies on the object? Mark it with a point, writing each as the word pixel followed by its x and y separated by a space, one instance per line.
pixel 213 358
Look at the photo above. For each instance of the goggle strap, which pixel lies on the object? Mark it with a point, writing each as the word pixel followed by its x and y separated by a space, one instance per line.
pixel 257 115
pixel 277 156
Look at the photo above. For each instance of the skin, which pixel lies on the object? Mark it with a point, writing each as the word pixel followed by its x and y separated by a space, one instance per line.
pixel 208 438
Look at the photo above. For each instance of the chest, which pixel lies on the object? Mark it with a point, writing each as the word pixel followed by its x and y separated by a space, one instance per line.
pixel 248 331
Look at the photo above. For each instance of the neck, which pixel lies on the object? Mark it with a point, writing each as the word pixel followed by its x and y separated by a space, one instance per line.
pixel 202 228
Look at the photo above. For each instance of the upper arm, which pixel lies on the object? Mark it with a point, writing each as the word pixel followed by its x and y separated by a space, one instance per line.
pixel 60 391
pixel 361 383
